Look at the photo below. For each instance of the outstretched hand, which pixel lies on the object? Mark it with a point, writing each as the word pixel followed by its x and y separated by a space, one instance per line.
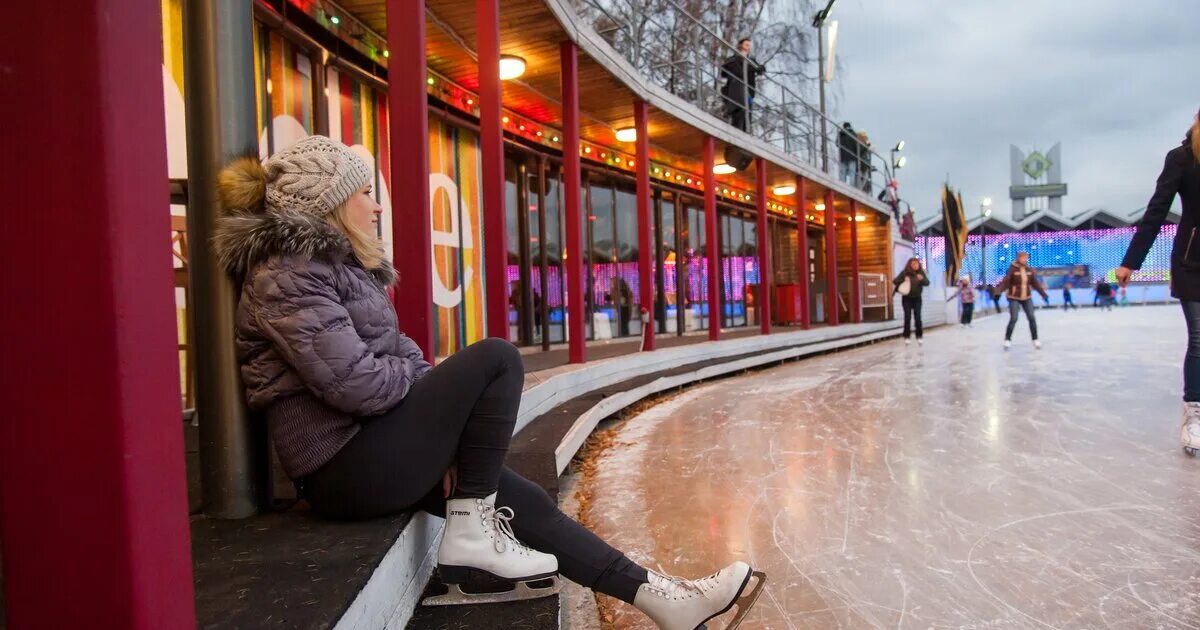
pixel 1123 274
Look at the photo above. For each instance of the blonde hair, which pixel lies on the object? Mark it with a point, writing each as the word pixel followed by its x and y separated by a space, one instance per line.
pixel 368 249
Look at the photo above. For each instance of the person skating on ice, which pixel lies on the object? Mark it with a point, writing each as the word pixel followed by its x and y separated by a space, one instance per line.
pixel 1018 285
pixel 1068 301
pixel 1103 298
pixel 366 428
pixel 1180 176
pixel 966 300
pixel 909 284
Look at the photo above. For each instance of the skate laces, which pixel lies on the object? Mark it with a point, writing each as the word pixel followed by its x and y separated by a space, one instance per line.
pixel 674 587
pixel 499 519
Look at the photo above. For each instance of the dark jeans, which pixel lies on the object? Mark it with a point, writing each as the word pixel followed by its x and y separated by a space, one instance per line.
pixel 1014 309
pixel 996 303
pixel 1068 301
pixel 968 311
pixel 912 311
pixel 1191 360
pixel 463 411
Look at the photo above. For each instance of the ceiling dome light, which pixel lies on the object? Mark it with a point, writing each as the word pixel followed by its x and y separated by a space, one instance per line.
pixel 628 134
pixel 820 207
pixel 511 67
pixel 785 190
pixel 723 169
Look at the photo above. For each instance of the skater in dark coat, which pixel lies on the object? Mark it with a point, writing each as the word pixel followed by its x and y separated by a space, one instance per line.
pixel 990 291
pixel 740 72
pixel 1018 285
pixel 848 153
pixel 1103 298
pixel 1068 302
pixel 1180 176
pixel 909 284
pixel 365 426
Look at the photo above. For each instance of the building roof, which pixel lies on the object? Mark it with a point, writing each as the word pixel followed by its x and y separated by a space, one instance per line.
pixel 1043 220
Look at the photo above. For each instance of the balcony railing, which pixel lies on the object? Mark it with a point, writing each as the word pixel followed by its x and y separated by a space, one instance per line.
pixel 682 55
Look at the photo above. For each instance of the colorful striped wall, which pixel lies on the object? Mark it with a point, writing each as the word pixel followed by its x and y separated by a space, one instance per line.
pixel 457 222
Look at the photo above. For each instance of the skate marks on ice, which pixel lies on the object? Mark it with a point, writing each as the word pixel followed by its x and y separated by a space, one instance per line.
pixel 952 485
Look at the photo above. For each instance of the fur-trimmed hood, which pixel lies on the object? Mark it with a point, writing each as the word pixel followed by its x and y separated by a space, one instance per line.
pixel 244 239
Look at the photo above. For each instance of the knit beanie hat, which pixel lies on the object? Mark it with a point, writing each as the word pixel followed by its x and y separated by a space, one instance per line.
pixel 314 175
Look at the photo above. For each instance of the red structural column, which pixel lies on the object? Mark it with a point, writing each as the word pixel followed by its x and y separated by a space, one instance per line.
pixel 491 148
pixel 645 246
pixel 831 271
pixel 764 250
pixel 802 252
pixel 408 134
pixel 710 236
pixel 573 257
pixel 93 507
pixel 855 297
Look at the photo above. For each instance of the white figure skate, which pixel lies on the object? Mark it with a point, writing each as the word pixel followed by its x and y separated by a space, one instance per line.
pixel 479 542
pixel 1007 344
pixel 677 604
pixel 1189 433
pixel 1037 344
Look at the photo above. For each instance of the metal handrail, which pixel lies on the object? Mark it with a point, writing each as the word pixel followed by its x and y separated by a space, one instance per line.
pixel 775 114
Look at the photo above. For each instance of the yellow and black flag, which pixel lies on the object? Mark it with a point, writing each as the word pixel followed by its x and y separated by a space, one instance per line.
pixel 955 224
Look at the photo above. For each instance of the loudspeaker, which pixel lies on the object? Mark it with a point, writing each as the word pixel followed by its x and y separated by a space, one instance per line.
pixel 737 158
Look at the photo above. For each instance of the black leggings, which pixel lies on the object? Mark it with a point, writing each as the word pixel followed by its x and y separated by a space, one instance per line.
pixel 463 411
pixel 912 311
pixel 1014 309
pixel 968 309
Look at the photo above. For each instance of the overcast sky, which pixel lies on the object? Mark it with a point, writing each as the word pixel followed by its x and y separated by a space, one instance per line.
pixel 1117 82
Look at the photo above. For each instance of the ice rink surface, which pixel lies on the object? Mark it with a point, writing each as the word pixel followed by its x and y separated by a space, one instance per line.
pixel 950 485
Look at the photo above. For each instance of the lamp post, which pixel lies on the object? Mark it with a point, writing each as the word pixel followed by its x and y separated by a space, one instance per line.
pixel 985 211
pixel 898 164
pixel 818 23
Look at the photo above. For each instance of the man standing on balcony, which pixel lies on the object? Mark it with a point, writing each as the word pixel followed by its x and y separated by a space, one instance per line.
pixel 740 72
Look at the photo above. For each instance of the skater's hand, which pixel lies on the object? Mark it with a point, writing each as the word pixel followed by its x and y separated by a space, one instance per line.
pixel 449 480
pixel 1123 274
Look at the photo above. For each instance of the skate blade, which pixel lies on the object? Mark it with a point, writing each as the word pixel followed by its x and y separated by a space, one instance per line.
pixel 747 599
pixel 521 591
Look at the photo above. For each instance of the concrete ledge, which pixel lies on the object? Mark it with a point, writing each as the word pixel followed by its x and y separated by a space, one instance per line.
pixel 395 586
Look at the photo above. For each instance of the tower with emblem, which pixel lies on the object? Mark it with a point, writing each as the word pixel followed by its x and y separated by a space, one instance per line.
pixel 1037 182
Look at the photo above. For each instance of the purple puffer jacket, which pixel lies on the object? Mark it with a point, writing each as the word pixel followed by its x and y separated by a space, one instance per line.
pixel 316 333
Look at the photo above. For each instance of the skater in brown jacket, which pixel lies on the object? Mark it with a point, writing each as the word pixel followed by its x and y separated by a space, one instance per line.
pixel 1018 285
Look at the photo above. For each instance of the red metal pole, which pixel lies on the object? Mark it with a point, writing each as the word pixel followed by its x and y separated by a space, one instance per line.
pixel 645 246
pixel 802 251
pixel 710 236
pixel 573 257
pixel 831 271
pixel 764 249
pixel 93 507
pixel 855 297
pixel 409 142
pixel 491 148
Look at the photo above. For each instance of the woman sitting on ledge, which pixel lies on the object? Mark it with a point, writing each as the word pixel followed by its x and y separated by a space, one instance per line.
pixel 365 427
